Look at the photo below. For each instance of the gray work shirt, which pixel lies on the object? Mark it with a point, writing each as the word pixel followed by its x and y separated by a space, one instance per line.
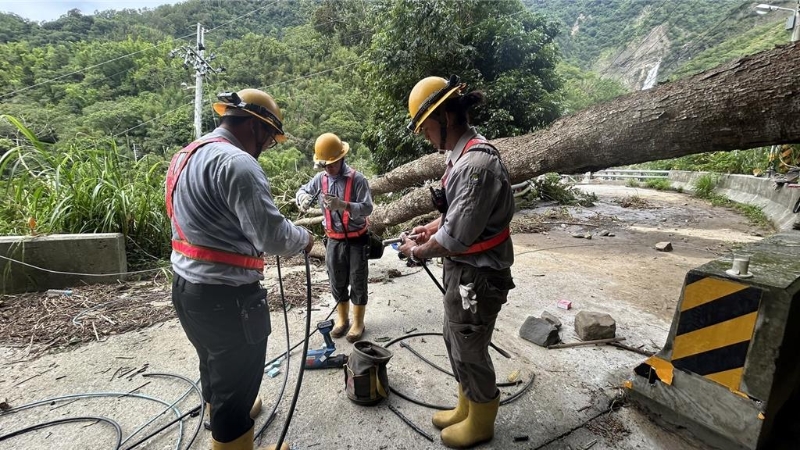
pixel 223 201
pixel 480 205
pixel 360 197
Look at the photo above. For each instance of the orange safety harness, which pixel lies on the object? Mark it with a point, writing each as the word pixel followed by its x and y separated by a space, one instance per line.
pixel 348 191
pixel 494 241
pixel 183 246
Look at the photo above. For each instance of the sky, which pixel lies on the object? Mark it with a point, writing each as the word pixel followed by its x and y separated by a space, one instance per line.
pixel 46 10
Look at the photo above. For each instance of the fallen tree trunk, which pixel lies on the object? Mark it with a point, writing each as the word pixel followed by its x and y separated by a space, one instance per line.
pixel 750 102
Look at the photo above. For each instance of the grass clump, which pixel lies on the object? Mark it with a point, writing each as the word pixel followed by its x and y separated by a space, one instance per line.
pixel 704 185
pixel 659 184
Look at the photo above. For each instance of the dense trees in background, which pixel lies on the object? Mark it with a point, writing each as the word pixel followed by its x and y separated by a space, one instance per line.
pixel 497 47
pixel 97 95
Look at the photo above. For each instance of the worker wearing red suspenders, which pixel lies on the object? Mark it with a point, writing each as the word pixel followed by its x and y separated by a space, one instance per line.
pixel 223 221
pixel 346 203
pixel 477 204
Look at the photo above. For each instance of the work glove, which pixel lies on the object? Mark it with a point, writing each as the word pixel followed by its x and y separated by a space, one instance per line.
pixel 333 203
pixel 304 202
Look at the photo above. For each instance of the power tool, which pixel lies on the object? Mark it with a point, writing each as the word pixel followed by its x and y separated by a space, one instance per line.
pixel 321 358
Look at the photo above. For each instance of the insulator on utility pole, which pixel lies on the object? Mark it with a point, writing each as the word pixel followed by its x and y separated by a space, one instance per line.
pixel 195 58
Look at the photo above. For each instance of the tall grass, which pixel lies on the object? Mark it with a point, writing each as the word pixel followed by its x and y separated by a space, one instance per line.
pixel 85 189
pixel 704 185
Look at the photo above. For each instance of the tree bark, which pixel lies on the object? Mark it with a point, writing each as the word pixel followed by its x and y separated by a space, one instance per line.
pixel 751 102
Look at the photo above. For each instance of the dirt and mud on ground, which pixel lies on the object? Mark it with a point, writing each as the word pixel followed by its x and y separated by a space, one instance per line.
pixel 115 339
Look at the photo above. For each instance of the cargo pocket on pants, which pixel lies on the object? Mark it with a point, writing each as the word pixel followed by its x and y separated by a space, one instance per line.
pixel 468 341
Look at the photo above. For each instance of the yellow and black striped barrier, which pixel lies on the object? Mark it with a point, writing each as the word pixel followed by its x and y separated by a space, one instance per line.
pixel 732 357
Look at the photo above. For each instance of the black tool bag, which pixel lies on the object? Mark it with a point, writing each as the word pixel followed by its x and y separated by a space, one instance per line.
pixel 375 244
pixel 365 376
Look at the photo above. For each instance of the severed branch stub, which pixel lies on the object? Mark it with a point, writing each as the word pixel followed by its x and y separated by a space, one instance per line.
pixel 580 344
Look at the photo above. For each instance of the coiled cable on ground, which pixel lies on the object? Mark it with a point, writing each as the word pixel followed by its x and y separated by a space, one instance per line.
pixel 67 420
pixel 98 395
pixel 201 408
pixel 506 401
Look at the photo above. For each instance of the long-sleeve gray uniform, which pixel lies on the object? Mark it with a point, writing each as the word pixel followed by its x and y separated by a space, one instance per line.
pixel 346 257
pixel 480 206
pixel 223 201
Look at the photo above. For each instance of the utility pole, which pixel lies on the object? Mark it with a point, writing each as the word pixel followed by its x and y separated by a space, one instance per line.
pixel 198 83
pixel 195 58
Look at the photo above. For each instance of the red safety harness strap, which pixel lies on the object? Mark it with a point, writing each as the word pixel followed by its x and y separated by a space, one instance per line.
pixel 184 247
pixel 348 191
pixel 482 246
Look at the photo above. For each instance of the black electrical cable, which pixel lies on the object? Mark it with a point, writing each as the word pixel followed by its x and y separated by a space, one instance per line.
pixel 67 420
pixel 201 408
pixel 191 412
pixel 433 277
pixel 442 369
pixel 272 414
pixel 411 424
pixel 303 358
pixel 515 396
pixel 86 395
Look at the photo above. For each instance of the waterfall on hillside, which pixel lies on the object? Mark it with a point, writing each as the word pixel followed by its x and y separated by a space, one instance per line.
pixel 650 81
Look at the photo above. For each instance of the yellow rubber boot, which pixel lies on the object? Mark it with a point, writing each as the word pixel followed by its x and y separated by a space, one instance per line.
pixel 476 428
pixel 444 419
pixel 342 319
pixel 357 330
pixel 255 410
pixel 243 442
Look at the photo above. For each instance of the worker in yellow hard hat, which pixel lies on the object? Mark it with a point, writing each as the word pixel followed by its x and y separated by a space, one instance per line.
pixel 223 223
pixel 472 234
pixel 346 203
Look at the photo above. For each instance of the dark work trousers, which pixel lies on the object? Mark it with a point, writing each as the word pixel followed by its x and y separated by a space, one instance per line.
pixel 348 265
pixel 230 368
pixel 466 334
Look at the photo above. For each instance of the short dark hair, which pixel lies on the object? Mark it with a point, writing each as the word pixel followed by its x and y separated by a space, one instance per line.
pixel 460 105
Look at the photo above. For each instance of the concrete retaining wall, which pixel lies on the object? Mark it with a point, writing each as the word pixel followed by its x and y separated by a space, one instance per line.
pixel 78 254
pixel 777 204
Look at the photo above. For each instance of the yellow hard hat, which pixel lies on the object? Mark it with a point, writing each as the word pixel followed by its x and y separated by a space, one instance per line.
pixel 328 149
pixel 252 102
pixel 427 95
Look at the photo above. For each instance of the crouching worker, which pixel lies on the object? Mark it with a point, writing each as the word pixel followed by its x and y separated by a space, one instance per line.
pixel 472 235
pixel 346 203
pixel 223 221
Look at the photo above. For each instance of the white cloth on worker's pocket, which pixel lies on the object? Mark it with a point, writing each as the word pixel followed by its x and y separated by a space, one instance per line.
pixel 468 297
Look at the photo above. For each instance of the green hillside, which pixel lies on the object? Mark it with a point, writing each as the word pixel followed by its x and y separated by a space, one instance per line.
pixel 701 34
